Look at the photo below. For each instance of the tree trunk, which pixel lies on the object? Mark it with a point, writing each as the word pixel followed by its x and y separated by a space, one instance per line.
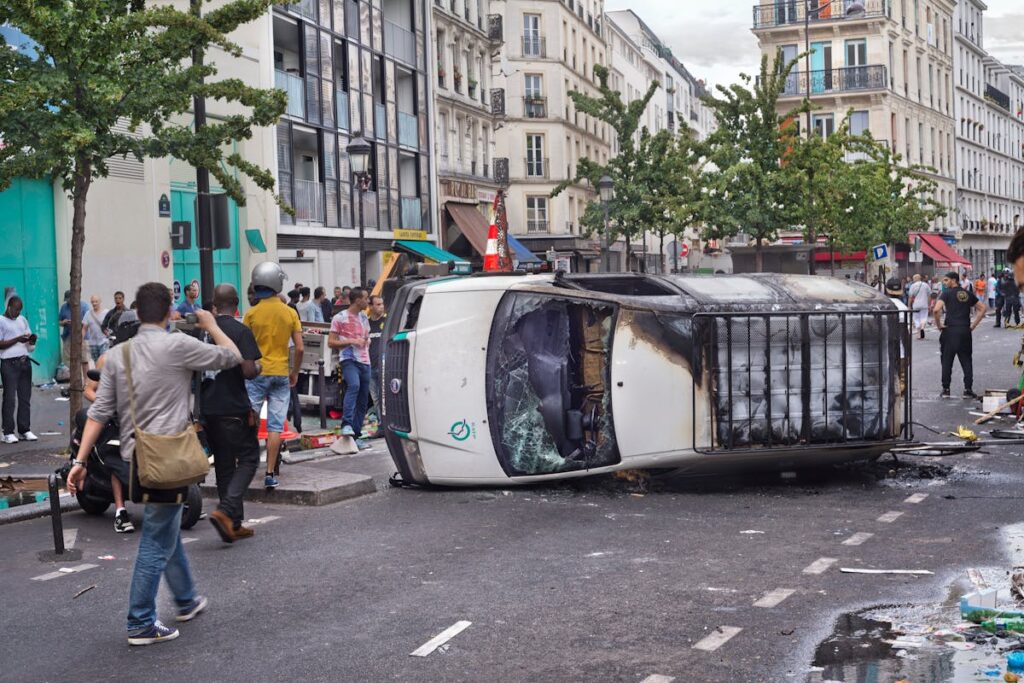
pixel 83 179
pixel 759 256
pixel 661 252
pixel 628 269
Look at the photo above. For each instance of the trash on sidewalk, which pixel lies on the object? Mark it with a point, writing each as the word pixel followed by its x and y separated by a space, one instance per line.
pixel 857 570
pixel 105 557
pixel 751 531
pixel 344 445
pixel 321 438
pixel 1017 584
pixel 1015 661
pixel 983 605
pixel 84 590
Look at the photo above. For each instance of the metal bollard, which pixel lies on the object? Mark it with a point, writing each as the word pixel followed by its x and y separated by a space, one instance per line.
pixel 55 518
pixel 322 390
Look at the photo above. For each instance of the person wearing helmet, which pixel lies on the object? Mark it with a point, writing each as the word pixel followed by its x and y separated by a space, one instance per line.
pixel 274 324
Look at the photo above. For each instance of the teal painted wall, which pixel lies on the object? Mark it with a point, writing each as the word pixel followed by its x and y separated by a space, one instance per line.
pixel 186 261
pixel 28 262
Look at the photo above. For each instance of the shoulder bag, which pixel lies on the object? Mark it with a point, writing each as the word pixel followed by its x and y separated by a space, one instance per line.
pixel 164 461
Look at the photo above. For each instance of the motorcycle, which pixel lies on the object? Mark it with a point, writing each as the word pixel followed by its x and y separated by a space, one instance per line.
pixel 96 495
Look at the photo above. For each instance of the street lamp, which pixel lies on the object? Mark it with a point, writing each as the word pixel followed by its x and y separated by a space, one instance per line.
pixel 854 9
pixel 359 159
pixel 606 188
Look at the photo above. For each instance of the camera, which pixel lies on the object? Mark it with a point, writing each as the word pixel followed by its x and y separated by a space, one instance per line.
pixel 191 318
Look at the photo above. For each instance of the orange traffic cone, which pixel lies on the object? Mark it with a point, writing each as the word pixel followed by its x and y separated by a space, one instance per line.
pixel 491 261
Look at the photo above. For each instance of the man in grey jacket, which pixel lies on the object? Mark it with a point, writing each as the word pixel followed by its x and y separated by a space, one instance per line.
pixel 162 367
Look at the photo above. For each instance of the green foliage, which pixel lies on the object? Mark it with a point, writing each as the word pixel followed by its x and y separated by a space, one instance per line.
pixel 105 61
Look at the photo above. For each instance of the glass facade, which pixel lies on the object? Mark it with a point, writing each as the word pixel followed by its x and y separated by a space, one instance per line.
pixel 353 67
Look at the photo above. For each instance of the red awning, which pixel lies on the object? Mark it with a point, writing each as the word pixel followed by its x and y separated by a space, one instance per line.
pixel 935 248
pixel 825 256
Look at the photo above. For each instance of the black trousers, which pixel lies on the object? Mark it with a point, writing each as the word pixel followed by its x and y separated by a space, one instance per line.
pixel 956 342
pixel 1011 305
pixel 16 375
pixel 999 309
pixel 236 455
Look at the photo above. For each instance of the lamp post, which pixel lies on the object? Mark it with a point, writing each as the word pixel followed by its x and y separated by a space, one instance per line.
pixel 854 9
pixel 606 188
pixel 359 159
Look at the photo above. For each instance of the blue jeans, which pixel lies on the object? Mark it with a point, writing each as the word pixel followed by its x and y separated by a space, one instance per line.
pixel 160 553
pixel 357 394
pixel 275 391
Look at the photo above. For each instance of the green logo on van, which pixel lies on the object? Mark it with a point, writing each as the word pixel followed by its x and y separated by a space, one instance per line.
pixel 460 431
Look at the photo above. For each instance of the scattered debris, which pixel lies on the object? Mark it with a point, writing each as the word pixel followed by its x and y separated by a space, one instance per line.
pixel 1017 584
pixel 105 557
pixel 856 570
pixel 751 531
pixel 84 590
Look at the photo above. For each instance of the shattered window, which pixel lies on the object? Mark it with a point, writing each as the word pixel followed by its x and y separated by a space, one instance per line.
pixel 548 370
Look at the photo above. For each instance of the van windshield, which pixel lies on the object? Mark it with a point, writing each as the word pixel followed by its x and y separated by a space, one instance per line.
pixel 548 362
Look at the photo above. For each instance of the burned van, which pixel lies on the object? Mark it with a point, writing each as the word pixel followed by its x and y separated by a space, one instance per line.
pixel 516 379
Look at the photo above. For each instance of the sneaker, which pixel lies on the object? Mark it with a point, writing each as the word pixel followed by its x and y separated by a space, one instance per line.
pixel 270 482
pixel 944 394
pixel 9 438
pixel 971 395
pixel 362 445
pixel 29 436
pixel 348 431
pixel 192 611
pixel 157 633
pixel 123 523
pixel 922 334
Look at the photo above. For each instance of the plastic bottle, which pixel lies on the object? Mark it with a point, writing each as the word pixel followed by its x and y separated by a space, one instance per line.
pixel 994 625
pixel 1015 661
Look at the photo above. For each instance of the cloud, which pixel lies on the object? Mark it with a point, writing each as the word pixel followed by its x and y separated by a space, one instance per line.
pixel 1004 37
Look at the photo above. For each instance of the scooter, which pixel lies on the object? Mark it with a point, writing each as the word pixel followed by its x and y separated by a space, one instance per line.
pixel 97 494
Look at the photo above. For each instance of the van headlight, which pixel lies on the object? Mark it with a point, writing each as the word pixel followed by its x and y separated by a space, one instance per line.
pixel 411 450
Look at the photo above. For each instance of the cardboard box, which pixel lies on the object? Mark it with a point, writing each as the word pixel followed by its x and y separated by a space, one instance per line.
pixel 318 439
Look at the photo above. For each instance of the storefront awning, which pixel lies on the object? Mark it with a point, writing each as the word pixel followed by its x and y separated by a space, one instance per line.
pixel 431 252
pixel 521 253
pixel 935 248
pixel 827 256
pixel 471 224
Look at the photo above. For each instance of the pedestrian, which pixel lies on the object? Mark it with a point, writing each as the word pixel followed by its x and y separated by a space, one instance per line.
pixel 980 287
pixel 1011 300
pixel 350 334
pixel 155 401
pixel 377 317
pixel 95 336
pixel 190 303
pixel 293 300
pixel 308 310
pixel 1015 257
pixel 16 342
pixel 113 316
pixel 335 301
pixel 955 332
pixel 64 321
pixel 1000 301
pixel 919 296
pixel 321 300
pixel 990 291
pixel 231 427
pixel 274 324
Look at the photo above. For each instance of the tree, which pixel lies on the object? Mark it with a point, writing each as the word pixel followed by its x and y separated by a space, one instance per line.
pixel 748 186
pixel 101 62
pixel 624 119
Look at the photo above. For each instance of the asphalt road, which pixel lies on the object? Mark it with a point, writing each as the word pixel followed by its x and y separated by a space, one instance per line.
pixel 597 581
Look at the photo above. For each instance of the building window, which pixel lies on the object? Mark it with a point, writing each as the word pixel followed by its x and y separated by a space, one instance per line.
pixel 534 104
pixel 537 214
pixel 533 44
pixel 536 164
pixel 824 124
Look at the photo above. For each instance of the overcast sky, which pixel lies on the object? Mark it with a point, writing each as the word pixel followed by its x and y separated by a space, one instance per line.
pixel 714 41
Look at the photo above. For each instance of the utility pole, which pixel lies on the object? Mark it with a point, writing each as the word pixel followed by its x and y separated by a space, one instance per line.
pixel 204 232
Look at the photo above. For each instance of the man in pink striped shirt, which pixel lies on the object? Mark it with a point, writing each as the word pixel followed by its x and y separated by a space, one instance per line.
pixel 350 334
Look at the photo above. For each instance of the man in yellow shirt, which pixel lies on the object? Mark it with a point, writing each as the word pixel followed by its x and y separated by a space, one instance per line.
pixel 274 324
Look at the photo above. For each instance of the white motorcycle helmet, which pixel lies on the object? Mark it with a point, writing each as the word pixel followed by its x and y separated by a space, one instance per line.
pixel 270 275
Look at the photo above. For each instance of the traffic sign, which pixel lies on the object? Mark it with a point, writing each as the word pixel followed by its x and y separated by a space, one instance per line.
pixel 684 249
pixel 880 252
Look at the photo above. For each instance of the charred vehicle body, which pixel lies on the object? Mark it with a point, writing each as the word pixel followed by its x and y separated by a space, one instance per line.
pixel 518 379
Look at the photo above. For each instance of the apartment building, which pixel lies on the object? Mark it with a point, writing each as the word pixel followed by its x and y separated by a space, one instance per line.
pixel 467 111
pixel 889 61
pixel 550 49
pixel 351 68
pixel 989 119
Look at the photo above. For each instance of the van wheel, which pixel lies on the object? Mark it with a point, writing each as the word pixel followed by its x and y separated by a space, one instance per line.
pixel 193 507
pixel 91 506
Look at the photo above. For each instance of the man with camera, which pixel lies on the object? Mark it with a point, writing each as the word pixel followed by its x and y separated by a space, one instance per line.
pixel 148 385
pixel 16 342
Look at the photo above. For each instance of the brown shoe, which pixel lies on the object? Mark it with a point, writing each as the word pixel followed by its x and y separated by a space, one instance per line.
pixel 243 532
pixel 223 524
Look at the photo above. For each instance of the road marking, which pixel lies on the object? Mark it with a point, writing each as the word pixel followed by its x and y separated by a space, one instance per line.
pixel 188 539
pixel 890 516
pixel 264 520
pixel 916 498
pixel 820 565
pixel 858 538
pixel 721 636
pixel 63 571
pixel 70 537
pixel 773 598
pixel 658 678
pixel 441 638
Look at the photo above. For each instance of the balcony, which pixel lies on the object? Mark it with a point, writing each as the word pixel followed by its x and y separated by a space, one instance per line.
pixel 408 130
pixel 535 107
pixel 294 86
pixel 501 175
pixel 495 28
pixel 498 101
pixel 412 213
pixel 535 46
pixel 829 81
pixel 308 201
pixel 997 96
pixel 789 12
pixel 536 167
pixel 537 225
pixel 341 107
pixel 399 42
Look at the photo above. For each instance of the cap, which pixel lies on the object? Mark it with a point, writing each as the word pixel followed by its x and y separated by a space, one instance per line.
pixel 67 294
pixel 893 286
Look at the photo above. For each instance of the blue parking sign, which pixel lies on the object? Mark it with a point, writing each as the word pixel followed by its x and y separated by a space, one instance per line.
pixel 881 252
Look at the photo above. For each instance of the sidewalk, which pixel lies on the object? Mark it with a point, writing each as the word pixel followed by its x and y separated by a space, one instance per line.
pixel 50 423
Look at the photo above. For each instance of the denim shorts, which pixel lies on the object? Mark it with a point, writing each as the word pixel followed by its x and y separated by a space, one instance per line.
pixel 273 389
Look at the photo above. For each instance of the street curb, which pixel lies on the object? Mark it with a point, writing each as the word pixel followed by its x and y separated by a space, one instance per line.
pixel 307 488
pixel 21 513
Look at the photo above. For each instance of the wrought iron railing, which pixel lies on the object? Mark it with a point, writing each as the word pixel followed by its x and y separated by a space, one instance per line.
pixel 997 96
pixel 788 12
pixel 537 225
pixel 536 167
pixel 535 46
pixel 846 79
pixel 535 107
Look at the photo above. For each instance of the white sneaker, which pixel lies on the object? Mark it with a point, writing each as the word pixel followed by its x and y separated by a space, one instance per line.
pixel 9 438
pixel 29 436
